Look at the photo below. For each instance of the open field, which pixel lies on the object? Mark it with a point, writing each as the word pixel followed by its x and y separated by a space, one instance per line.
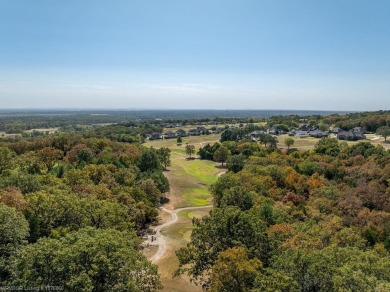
pixel 44 130
pixel 309 142
pixel 189 127
pixel 197 141
pixel 300 143
pixel 4 134
pixel 49 130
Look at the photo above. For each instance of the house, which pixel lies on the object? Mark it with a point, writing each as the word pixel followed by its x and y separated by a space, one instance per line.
pixel 201 130
pixel 276 131
pixel 273 131
pixel 181 133
pixel 256 134
pixel 193 132
pixel 293 131
pixel 359 130
pixel 301 134
pixel 336 130
pixel 350 135
pixel 155 136
pixel 170 135
pixel 318 134
pixel 304 127
pixel 307 128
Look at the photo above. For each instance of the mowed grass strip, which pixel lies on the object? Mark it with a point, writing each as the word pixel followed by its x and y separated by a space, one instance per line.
pixel 202 170
pixel 198 197
pixel 308 143
pixel 190 179
pixel 197 141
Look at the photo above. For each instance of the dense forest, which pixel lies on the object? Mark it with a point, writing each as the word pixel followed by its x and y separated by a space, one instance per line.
pixel 317 220
pixel 72 210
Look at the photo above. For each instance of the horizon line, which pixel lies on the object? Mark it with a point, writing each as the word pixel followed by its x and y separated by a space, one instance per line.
pixel 172 109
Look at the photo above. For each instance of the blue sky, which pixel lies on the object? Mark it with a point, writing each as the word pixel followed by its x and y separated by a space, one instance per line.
pixel 275 54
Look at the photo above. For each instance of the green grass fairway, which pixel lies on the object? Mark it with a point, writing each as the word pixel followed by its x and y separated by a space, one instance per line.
pixel 308 143
pixel 189 179
pixel 197 141
pixel 178 235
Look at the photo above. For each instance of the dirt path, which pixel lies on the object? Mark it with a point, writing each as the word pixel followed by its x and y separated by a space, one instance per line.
pixel 221 173
pixel 159 240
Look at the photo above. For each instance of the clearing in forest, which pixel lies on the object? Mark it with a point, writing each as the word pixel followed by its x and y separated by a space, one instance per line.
pixel 190 181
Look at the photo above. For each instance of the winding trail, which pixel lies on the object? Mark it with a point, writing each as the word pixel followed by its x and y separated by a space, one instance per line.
pixel 160 240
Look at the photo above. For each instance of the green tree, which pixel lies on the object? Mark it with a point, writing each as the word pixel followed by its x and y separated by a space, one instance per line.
pixel 335 269
pixel 6 158
pixel 190 150
pixel 49 156
pixel 236 163
pixel 234 271
pixel 329 146
pixel 47 213
pixel 269 140
pixel 289 142
pixel 152 192
pixel 149 161
pixel 224 228
pixel 237 196
pixel 271 280
pixel 27 183
pixel 224 182
pixel 80 153
pixel 384 131
pixel 87 260
pixel 267 214
pixel 207 152
pixel 165 156
pixel 179 140
pixel 221 154
pixel 13 234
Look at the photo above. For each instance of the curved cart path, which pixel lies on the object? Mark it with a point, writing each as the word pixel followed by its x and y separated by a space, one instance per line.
pixel 160 239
